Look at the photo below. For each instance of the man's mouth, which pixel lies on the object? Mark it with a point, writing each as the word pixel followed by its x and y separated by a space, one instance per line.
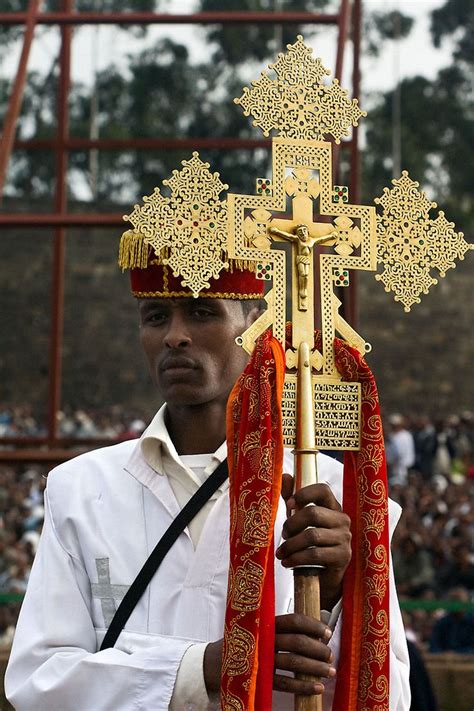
pixel 176 364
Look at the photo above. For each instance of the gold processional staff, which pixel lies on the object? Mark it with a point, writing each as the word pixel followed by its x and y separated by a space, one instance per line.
pixel 320 410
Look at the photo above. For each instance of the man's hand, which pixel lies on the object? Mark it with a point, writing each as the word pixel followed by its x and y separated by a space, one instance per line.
pixel 212 666
pixel 316 535
pixel 300 647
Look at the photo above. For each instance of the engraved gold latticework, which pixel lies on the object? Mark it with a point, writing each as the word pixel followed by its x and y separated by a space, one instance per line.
pixel 188 230
pixel 411 244
pixel 297 104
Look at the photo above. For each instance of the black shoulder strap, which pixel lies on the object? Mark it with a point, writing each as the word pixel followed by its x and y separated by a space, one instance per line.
pixel 139 585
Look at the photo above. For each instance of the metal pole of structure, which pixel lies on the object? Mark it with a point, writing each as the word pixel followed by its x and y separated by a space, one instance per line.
pixel 59 247
pixel 166 144
pixel 61 219
pixel 355 158
pixel 343 28
pixel 343 20
pixel 14 106
pixel 397 98
pixel 350 303
pixel 222 17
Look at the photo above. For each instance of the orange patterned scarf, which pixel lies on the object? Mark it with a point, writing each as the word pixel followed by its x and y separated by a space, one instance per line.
pixel 363 670
pixel 255 460
pixel 255 454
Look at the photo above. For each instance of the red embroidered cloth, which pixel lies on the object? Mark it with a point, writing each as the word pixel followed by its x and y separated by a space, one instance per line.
pixel 363 670
pixel 255 460
pixel 255 453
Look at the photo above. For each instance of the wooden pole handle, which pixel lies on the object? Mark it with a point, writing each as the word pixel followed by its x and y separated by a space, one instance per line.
pixel 306 580
pixel 307 598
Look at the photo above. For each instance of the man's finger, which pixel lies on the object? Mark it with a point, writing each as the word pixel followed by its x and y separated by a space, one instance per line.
pixel 300 687
pixel 303 645
pixel 314 517
pixel 296 623
pixel 311 537
pixel 297 664
pixel 287 486
pixel 334 557
pixel 319 494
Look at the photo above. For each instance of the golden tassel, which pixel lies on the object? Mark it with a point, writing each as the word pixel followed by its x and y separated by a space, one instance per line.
pixel 133 251
pixel 241 265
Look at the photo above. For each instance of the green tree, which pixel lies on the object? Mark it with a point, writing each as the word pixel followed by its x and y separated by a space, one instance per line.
pixel 436 123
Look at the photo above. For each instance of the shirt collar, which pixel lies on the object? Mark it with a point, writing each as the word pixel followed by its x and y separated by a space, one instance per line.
pixel 160 453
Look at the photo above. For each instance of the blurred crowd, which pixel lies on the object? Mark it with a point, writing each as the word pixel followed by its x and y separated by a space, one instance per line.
pixel 114 422
pixel 431 474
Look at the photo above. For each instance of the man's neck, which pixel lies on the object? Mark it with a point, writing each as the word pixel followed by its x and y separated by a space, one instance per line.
pixel 196 430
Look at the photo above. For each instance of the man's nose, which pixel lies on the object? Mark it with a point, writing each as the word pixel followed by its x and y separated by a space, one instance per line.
pixel 177 335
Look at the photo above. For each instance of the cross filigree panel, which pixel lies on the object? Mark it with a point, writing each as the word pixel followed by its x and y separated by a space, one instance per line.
pixel 302 179
pixel 411 244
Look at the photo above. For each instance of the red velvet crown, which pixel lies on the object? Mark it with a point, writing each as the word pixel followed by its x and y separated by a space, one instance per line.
pixel 157 281
pixel 178 246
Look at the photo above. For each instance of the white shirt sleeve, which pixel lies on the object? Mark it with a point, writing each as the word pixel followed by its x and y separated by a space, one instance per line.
pixel 400 695
pixel 190 690
pixel 54 663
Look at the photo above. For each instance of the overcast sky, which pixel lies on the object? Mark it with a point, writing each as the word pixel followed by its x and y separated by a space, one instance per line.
pixel 95 47
pixel 414 55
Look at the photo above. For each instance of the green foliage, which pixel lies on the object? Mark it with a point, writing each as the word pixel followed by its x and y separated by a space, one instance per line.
pixel 115 5
pixel 436 125
pixel 10 34
pixel 456 19
pixel 235 44
pixel 158 99
pixel 382 26
pixel 163 93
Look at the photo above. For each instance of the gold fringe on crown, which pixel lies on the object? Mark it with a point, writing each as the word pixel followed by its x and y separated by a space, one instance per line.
pixel 133 251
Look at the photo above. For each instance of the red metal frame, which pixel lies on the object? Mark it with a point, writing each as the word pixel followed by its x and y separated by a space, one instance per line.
pixel 14 105
pixel 222 17
pixel 52 448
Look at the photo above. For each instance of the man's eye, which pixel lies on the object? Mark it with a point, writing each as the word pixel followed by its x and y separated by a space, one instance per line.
pixel 155 317
pixel 202 312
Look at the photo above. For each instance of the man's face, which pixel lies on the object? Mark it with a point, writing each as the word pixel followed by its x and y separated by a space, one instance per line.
pixel 190 347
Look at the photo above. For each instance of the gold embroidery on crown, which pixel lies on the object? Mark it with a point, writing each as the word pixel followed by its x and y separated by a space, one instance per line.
pixel 188 230
pixel 297 104
pixel 410 243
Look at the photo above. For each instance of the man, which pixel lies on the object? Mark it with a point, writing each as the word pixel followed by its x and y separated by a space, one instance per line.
pixel 106 510
pixel 454 632
pixel 404 449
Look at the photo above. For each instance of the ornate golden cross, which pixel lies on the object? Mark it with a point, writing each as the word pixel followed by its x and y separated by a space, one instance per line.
pixel 319 410
pixel 302 179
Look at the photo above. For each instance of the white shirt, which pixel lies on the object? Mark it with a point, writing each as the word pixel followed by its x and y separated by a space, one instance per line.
pixel 186 473
pixel 104 513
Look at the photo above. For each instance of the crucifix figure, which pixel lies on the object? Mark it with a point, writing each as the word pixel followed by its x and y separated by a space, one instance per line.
pixel 304 244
